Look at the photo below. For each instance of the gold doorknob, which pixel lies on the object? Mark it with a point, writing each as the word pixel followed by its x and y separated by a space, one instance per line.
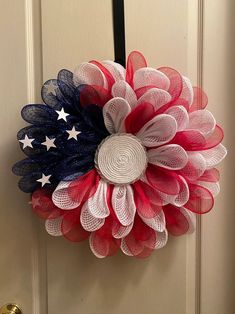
pixel 10 308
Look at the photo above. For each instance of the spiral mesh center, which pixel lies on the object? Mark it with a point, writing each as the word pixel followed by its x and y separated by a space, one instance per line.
pixel 121 159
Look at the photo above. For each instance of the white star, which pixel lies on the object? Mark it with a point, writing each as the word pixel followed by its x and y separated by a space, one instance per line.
pixel 27 142
pixel 62 114
pixel 49 142
pixel 44 179
pixel 51 88
pixel 73 133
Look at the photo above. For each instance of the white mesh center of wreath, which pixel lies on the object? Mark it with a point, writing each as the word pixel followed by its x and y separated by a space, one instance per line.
pixel 121 159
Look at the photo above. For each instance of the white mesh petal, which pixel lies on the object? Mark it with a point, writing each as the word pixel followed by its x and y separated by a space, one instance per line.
pixel 122 231
pixel 159 130
pixel 203 121
pixel 195 167
pixel 157 223
pixel 115 112
pixel 213 187
pixel 88 221
pixel 214 156
pixel 60 196
pixel 150 76
pixel 89 73
pixel 155 96
pixel 123 204
pixel 97 204
pixel 123 89
pixel 183 196
pixel 53 226
pixel 125 248
pixel 191 218
pixel 171 156
pixel 187 91
pixel 181 116
pixel 161 239
pixel 117 70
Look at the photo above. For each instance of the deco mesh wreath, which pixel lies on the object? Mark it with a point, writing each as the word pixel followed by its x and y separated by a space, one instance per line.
pixel 120 156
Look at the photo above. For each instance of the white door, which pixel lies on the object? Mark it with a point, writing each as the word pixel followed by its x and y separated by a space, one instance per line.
pixel 192 274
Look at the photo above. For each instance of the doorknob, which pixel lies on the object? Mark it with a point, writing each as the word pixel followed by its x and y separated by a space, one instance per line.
pixel 10 308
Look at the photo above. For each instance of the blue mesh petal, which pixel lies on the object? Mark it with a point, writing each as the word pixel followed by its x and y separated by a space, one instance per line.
pixel 39 134
pixel 66 76
pixel 73 167
pixel 63 96
pixel 93 116
pixel 54 100
pixel 39 114
pixel 25 167
pixel 71 147
pixel 29 183
pixel 67 92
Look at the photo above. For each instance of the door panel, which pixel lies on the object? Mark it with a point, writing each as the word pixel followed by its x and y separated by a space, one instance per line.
pixel 118 284
pixel 51 275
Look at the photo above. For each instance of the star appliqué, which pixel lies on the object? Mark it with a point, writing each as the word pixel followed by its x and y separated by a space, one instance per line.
pixel 35 202
pixel 51 88
pixel 49 143
pixel 62 114
pixel 44 179
pixel 73 133
pixel 27 142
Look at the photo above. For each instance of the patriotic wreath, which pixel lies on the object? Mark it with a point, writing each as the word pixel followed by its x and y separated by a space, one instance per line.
pixel 120 156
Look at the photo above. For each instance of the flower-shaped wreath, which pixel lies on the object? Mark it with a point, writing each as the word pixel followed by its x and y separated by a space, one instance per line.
pixel 122 156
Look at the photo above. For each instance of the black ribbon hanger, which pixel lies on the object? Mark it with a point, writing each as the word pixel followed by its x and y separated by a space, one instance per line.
pixel 119 32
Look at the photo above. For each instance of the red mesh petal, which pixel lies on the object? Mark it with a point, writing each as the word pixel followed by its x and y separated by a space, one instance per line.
pixel 211 175
pixel 105 231
pixel 139 238
pixel 176 223
pixel 142 90
pixel 71 226
pixel 151 193
pixel 143 233
pixel 176 83
pixel 106 73
pixel 142 201
pixel 193 140
pixel 135 61
pixel 84 187
pixel 93 94
pixel 177 102
pixel 200 99
pixel 138 117
pixel 103 246
pixel 43 206
pixel 163 180
pixel 145 253
pixel 134 246
pixel 190 140
pixel 109 202
pixel 114 245
pixel 200 200
pixel 215 138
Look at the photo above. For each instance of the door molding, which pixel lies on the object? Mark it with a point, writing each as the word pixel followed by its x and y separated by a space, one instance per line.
pixel 195 72
pixel 34 68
